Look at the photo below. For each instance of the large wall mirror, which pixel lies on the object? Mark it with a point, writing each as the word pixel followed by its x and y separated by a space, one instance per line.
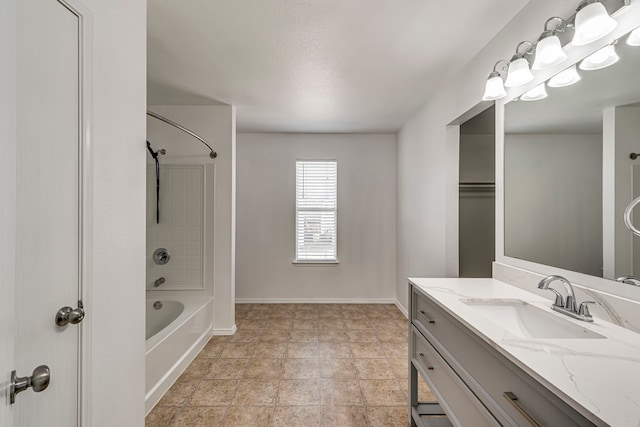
pixel 568 173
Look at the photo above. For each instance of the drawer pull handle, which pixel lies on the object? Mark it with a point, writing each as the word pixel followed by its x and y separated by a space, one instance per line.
pixel 513 399
pixel 425 359
pixel 425 316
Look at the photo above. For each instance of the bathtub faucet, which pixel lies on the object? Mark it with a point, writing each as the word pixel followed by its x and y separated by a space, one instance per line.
pixel 158 282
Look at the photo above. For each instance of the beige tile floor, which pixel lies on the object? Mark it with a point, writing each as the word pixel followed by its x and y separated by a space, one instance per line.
pixel 298 365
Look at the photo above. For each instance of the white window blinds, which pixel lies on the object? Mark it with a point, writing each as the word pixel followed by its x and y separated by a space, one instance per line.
pixel 316 210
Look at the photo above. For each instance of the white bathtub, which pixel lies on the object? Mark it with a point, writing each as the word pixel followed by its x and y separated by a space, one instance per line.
pixel 175 335
pixel 160 314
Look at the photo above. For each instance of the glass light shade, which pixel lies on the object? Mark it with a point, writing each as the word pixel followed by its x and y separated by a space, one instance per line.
pixel 494 89
pixel 592 23
pixel 548 52
pixel 537 93
pixel 603 58
pixel 634 38
pixel 518 73
pixel 565 78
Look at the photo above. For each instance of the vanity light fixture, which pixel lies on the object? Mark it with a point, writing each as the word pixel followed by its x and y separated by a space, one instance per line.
pixel 519 72
pixel 634 38
pixel 494 88
pixel 602 58
pixel 537 93
pixel 548 49
pixel 592 22
pixel 565 78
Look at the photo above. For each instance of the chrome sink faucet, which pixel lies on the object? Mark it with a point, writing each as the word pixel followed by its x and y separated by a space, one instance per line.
pixel 567 306
pixel 629 280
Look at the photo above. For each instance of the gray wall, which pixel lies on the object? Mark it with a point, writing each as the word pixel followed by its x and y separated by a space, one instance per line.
pixel 553 200
pixel 477 157
pixel 266 214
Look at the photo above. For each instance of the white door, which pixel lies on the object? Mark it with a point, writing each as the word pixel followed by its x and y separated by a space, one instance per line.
pixel 48 212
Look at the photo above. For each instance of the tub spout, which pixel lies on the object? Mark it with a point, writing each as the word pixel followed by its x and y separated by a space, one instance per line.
pixel 159 282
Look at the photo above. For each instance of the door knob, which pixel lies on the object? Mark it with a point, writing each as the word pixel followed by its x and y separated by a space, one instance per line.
pixel 70 315
pixel 39 381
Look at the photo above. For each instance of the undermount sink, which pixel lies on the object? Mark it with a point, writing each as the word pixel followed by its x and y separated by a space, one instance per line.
pixel 527 321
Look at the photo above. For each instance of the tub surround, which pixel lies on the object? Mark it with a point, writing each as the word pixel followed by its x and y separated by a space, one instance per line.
pixel 596 377
pixel 181 228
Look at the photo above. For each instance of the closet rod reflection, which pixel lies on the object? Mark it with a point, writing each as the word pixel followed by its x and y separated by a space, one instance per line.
pixel 478 184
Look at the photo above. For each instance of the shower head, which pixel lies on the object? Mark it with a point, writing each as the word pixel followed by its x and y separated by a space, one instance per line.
pixel 162 151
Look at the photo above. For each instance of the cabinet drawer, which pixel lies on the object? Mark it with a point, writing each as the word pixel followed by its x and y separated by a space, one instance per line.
pixel 461 405
pixel 490 375
pixel 430 319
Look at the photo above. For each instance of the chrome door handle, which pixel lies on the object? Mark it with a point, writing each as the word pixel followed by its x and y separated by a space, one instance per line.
pixel 39 381
pixel 68 315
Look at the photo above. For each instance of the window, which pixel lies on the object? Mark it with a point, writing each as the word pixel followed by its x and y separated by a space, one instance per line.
pixel 316 210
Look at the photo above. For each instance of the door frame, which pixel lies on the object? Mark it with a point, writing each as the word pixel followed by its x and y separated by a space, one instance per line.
pixel 85 205
pixel 452 202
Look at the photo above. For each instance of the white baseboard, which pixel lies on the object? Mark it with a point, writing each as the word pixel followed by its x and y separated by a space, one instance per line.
pixel 401 308
pixel 218 332
pixel 316 301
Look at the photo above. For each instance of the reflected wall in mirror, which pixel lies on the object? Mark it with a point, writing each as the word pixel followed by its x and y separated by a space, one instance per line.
pixel 569 175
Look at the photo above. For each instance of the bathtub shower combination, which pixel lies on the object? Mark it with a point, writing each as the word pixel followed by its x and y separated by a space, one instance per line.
pixel 178 322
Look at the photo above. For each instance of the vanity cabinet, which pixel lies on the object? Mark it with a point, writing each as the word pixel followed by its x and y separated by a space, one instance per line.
pixel 475 384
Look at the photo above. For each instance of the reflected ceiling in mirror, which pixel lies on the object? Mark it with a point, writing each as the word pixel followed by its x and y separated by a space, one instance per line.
pixel 579 107
pixel 568 175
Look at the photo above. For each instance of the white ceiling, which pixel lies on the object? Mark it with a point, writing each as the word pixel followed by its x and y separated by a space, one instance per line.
pixel 314 65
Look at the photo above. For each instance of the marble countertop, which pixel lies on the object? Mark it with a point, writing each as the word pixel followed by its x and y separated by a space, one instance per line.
pixel 601 376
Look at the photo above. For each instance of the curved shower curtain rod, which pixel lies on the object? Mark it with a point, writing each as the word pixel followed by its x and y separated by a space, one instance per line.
pixel 212 153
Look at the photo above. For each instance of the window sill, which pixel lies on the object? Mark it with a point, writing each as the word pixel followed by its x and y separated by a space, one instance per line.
pixel 315 263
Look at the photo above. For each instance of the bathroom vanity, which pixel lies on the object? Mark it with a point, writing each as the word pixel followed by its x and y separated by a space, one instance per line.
pixel 494 354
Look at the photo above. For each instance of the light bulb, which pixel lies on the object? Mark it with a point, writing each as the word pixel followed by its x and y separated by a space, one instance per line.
pixel 592 23
pixel 634 38
pixel 518 73
pixel 537 93
pixel 565 78
pixel 602 58
pixel 548 52
pixel 494 89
